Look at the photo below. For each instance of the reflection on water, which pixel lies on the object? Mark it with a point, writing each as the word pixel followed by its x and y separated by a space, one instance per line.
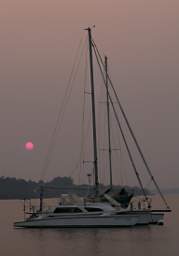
pixel 155 240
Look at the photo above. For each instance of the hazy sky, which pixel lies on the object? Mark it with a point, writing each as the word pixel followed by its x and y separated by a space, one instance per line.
pixel 37 48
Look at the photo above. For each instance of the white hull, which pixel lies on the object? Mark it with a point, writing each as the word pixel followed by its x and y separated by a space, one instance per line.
pixel 147 217
pixel 157 218
pixel 85 220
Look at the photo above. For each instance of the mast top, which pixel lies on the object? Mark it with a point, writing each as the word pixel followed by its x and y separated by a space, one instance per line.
pixel 90 28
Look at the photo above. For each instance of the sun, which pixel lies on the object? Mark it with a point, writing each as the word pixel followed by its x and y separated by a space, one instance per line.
pixel 29 145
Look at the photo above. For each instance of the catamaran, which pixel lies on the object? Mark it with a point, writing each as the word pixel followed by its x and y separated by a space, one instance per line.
pixel 101 209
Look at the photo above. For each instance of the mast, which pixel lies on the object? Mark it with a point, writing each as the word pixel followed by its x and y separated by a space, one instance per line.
pixel 108 121
pixel 93 112
pixel 41 198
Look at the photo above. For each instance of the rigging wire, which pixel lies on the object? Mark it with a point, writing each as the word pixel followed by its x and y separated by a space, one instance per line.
pixel 116 148
pixel 121 130
pixel 81 165
pixel 118 153
pixel 85 132
pixel 131 132
pixel 61 112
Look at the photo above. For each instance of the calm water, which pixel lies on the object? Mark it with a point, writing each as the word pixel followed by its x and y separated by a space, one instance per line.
pixel 155 240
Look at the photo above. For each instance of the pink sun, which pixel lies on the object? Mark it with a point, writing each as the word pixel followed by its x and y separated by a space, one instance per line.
pixel 29 146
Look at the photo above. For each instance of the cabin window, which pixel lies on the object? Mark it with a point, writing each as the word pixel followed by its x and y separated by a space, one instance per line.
pixel 91 209
pixel 67 210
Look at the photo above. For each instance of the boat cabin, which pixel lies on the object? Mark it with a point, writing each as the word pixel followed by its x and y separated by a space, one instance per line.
pixel 85 208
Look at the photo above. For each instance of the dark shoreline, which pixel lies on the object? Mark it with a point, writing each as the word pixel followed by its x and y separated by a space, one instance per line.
pixel 12 188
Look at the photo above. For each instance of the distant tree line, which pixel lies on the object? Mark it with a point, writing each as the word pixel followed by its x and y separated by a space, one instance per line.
pixel 13 188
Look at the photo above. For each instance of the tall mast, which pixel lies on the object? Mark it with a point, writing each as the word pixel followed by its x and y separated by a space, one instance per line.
pixel 93 112
pixel 108 121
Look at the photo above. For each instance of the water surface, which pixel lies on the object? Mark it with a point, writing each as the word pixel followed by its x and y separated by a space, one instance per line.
pixel 153 240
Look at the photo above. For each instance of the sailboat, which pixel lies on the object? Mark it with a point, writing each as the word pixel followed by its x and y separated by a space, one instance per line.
pixel 101 209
